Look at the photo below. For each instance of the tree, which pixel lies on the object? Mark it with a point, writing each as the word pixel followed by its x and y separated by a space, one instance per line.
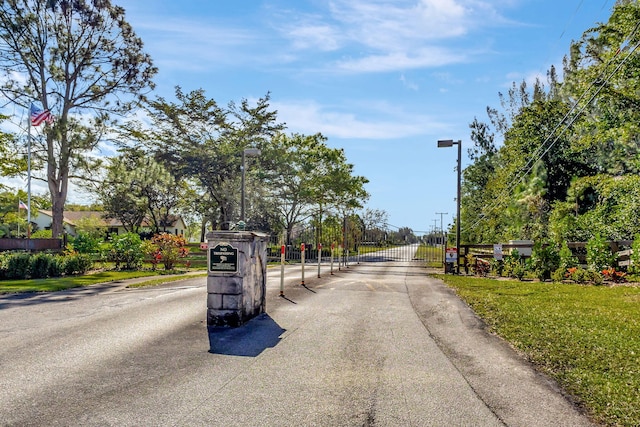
pixel 11 162
pixel 75 57
pixel 307 178
pixel 197 139
pixel 135 188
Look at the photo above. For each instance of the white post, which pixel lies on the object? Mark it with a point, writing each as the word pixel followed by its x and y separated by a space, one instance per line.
pixel 332 247
pixel 319 257
pixel 29 175
pixel 302 261
pixel 282 270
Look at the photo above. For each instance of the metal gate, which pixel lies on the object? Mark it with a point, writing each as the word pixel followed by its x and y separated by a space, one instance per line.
pixel 357 245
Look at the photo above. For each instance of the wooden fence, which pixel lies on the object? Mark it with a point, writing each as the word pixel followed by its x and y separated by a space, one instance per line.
pixel 579 250
pixel 32 245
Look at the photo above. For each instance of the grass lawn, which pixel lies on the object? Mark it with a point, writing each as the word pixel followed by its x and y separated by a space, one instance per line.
pixel 68 282
pixel 586 337
pixel 432 255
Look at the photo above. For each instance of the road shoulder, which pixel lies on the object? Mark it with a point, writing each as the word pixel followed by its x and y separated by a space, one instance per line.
pixel 503 379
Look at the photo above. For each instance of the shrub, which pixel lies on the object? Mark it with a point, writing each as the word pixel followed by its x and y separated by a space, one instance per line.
pixel 599 254
pixel 4 256
pixel 151 250
pixel 86 243
pixel 497 267
pixel 579 275
pixel 635 255
pixel 170 248
pixel 77 264
pixel 42 234
pixel 18 265
pixel 614 275
pixel 40 263
pixel 56 266
pixel 559 274
pixel 126 249
pixel 567 260
pixel 519 271
pixel 545 259
pixel 595 277
pixel 512 264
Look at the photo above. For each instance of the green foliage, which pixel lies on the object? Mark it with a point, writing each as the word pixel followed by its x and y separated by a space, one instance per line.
pixel 77 264
pixel 558 175
pixel 579 275
pixel 56 266
pixel 40 265
pixel 519 271
pixel 89 57
pixel 41 234
pixel 22 265
pixel 567 259
pixel 18 265
pixel 126 251
pixel 497 267
pixel 545 259
pixel 513 265
pixel 599 254
pixel 635 255
pixel 559 274
pixel 87 243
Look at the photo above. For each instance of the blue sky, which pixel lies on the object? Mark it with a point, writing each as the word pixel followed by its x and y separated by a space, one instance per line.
pixel 383 79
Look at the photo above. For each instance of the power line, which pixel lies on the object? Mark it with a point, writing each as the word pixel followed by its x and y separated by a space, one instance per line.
pixel 598 83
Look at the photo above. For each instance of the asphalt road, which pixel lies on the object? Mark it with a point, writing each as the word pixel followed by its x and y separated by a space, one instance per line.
pixel 376 344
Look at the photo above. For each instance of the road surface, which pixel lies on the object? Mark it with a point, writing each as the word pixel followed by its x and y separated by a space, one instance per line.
pixel 376 344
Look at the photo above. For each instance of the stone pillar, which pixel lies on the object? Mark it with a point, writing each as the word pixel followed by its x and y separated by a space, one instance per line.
pixel 237 277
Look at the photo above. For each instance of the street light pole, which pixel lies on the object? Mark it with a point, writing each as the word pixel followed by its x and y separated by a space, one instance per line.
pixel 451 143
pixel 247 152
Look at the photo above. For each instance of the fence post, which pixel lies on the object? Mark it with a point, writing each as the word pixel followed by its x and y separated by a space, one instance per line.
pixel 332 247
pixel 302 254
pixel 282 270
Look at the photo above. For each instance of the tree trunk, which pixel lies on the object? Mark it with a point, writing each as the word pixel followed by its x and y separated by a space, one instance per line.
pixel 203 229
pixel 58 180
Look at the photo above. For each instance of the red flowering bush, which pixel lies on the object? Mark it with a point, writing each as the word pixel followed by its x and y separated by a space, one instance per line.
pixel 613 275
pixel 170 248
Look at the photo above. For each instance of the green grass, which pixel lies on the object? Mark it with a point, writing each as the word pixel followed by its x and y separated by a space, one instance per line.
pixel 586 337
pixel 365 249
pixel 167 279
pixel 68 282
pixel 432 255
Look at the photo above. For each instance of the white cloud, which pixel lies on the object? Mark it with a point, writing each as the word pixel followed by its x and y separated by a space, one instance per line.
pixel 382 121
pixel 389 35
pixel 408 83
pixel 402 60
pixel 193 45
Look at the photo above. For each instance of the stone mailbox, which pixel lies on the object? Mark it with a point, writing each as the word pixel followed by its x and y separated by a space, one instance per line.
pixel 237 277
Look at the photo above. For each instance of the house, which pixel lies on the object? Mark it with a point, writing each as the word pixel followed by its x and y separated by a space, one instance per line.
pixel 72 219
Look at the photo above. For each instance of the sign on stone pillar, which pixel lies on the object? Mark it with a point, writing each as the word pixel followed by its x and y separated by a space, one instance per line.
pixel 223 258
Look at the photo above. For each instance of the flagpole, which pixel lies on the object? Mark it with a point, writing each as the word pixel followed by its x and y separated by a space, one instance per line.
pixel 29 175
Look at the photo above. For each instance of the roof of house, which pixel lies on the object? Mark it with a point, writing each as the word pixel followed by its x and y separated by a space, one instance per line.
pixel 72 218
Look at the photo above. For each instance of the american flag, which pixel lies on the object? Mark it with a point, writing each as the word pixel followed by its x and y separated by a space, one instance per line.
pixel 38 115
pixel 21 205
